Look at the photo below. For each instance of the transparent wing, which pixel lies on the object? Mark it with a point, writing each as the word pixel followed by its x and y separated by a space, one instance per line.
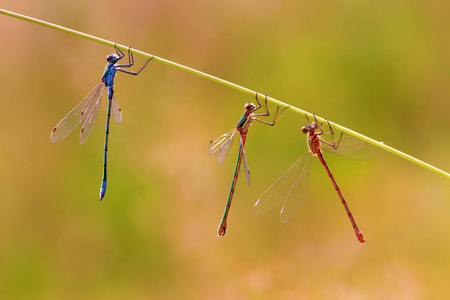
pixel 354 149
pixel 280 189
pixel 68 123
pixel 221 145
pixel 297 194
pixel 90 114
pixel 73 118
pixel 216 143
pixel 246 170
pixel 91 100
pixel 116 110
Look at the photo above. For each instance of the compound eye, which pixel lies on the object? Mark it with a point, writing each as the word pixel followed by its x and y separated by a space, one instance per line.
pixel 249 106
pixel 111 58
pixel 304 129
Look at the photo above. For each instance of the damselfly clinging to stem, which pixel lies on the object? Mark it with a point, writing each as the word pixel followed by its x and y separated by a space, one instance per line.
pixel 221 145
pixel 86 112
pixel 290 188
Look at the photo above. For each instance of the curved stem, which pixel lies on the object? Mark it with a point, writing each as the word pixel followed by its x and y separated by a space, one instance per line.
pixel 226 83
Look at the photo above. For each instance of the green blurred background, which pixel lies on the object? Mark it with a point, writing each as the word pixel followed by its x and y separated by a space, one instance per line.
pixel 378 67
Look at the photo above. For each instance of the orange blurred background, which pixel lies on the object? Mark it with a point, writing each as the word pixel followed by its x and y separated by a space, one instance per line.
pixel 379 68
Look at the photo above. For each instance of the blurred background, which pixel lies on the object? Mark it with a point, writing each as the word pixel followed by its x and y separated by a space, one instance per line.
pixel 380 68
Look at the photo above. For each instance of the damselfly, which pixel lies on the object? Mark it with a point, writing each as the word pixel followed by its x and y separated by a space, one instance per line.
pixel 221 145
pixel 290 188
pixel 86 112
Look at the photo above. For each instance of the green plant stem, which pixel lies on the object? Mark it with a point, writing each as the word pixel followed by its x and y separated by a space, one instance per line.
pixel 226 83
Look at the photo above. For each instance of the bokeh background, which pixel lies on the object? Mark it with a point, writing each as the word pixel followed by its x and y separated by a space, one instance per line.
pixel 378 67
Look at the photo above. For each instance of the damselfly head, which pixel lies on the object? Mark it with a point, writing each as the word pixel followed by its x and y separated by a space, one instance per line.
pixel 112 58
pixel 250 107
pixel 309 127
